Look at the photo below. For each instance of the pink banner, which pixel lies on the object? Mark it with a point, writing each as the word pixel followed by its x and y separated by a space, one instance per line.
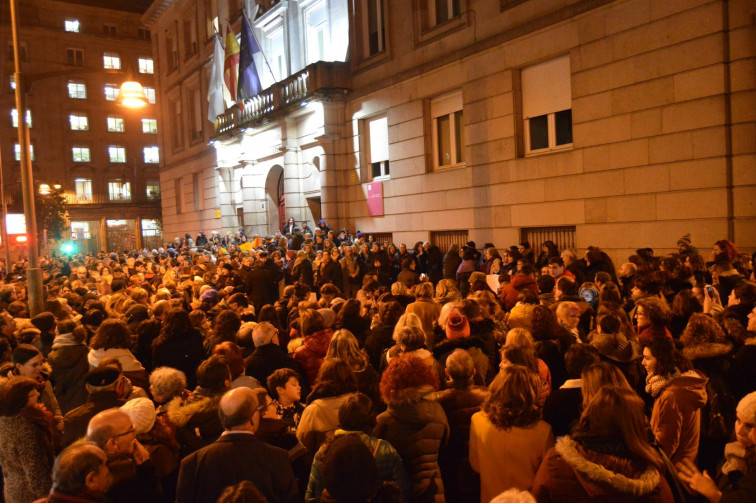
pixel 375 199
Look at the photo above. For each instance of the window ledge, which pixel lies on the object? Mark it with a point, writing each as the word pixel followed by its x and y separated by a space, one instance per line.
pixel 450 167
pixel 371 61
pixel 560 148
pixel 433 33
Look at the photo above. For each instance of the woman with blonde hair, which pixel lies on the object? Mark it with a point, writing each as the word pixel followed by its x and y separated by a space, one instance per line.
pixel 508 439
pixel 598 375
pixel 344 345
pixel 447 291
pixel 607 458
pixel 426 309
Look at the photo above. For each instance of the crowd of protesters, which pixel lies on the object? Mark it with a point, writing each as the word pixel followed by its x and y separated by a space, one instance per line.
pixel 314 365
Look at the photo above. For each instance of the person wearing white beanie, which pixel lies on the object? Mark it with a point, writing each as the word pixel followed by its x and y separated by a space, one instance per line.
pixel 141 411
pixel 738 472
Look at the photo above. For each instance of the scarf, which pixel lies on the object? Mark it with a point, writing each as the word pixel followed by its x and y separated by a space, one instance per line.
pixel 655 383
pixel 736 458
pixel 64 340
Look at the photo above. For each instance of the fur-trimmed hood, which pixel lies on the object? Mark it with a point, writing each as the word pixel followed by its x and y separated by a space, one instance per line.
pixel 603 474
pixel 409 396
pixel 706 350
pixel 180 410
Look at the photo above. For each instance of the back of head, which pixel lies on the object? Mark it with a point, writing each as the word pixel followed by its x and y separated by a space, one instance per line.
pixel 460 366
pixel 578 357
pixel 263 333
pixel 243 492
pixel 356 414
pixel 349 471
pixel 311 321
pixel 74 464
pixel 111 333
pixel 213 374
pixel 233 356
pixel 513 398
pixel 411 338
pixel 406 380
pixel 600 374
pixel 14 395
pixel 237 407
pixel 335 378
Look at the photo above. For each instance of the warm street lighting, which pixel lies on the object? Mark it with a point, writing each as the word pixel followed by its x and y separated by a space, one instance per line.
pixel 44 189
pixel 131 95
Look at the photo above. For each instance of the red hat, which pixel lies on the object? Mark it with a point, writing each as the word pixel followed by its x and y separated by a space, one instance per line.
pixel 457 326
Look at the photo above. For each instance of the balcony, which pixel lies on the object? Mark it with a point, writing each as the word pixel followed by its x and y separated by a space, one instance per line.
pixel 317 81
pixel 96 199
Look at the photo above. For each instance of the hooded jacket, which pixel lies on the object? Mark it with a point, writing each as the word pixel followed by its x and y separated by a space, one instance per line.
pixel 676 416
pixel 312 351
pixel 518 283
pixel 570 472
pixel 68 360
pixel 417 428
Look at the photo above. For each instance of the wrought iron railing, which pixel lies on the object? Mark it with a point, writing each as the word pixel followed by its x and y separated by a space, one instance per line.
pixel 73 199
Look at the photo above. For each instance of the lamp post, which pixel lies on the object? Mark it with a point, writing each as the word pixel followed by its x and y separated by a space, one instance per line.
pixel 34 274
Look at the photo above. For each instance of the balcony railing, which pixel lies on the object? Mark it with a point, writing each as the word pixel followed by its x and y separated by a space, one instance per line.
pixel 317 80
pixel 75 200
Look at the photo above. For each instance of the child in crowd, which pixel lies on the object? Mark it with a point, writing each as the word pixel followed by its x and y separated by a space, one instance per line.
pixel 284 388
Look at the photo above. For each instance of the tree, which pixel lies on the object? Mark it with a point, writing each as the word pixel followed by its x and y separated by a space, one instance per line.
pixel 52 213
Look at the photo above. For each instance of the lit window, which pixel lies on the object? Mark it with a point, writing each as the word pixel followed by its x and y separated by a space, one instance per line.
pixel 80 230
pixel 72 25
pixel 149 126
pixel 83 188
pixel 448 131
pixel 77 90
pixel 117 154
pixel 17 151
pixel 316 34
pixel 378 147
pixel 75 57
pixel 14 118
pixel 115 125
pixel 111 61
pixel 81 154
pixel 151 155
pixel 119 190
pixel 150 228
pixel 13 83
pixel 78 122
pixel 153 190
pixel 547 106
pixel 277 53
pixel 146 65
pixel 111 92
pixel 150 93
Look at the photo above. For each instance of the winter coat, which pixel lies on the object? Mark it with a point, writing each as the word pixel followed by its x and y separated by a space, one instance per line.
pixel 76 421
pixel 184 353
pixel 132 368
pixel 518 283
pixel 303 273
pixel 387 460
pixel 379 339
pixel 268 358
pixel 418 429
pixel 69 368
pixel 195 419
pixel 428 311
pixel 312 351
pixel 506 457
pixel 319 420
pixel 570 473
pixel 484 368
pixel 676 416
pixel 459 404
pixel 450 265
pixel 26 457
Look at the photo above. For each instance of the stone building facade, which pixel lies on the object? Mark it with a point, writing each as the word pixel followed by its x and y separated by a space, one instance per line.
pixel 618 123
pixel 103 157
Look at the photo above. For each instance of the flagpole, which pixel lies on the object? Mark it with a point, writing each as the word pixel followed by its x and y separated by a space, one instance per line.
pixel 252 29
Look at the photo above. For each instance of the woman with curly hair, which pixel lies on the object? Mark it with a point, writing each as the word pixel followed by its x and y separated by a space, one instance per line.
pixel 414 424
pixel 179 345
pixel 113 340
pixel 226 326
pixel 508 439
pixel 344 346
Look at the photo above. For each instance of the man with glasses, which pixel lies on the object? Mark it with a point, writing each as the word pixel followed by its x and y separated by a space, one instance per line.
pixel 237 456
pixel 134 476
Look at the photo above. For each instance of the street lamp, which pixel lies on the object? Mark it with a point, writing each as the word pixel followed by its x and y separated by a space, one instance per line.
pixel 131 98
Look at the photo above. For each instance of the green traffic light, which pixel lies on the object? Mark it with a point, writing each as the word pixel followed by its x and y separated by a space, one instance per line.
pixel 67 248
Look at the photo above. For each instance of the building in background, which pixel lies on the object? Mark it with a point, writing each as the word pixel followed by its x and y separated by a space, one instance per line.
pixel 618 123
pixel 104 157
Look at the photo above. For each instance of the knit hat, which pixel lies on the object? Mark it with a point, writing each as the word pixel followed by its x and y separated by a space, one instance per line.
pixel 747 408
pixel 685 240
pixel 457 326
pixel 141 411
pixel 329 316
pixel 616 347
pixel 209 295
pixel 44 321
pixel 102 376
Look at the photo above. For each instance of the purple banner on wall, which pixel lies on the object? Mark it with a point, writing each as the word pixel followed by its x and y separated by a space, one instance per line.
pixel 375 199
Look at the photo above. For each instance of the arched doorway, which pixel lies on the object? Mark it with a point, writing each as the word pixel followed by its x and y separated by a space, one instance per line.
pixel 275 199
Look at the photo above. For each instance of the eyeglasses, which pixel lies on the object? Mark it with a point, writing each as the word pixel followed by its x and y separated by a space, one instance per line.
pixel 127 432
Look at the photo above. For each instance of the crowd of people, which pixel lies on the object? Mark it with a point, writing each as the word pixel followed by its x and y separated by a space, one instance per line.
pixel 314 365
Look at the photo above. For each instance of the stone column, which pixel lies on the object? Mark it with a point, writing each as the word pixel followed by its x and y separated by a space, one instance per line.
pixel 226 198
pixel 138 233
pixel 104 235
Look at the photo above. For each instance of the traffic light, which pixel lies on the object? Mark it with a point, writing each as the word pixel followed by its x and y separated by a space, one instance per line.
pixel 67 248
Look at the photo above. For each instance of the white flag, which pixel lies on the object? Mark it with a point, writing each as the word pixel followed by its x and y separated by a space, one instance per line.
pixel 216 103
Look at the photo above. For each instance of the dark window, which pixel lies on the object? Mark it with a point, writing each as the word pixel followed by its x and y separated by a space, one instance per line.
pixel 563 125
pixel 539 132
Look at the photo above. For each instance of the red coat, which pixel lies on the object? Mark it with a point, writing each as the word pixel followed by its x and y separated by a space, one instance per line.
pixel 312 351
pixel 510 292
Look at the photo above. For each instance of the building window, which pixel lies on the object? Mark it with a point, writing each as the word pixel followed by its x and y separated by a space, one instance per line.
pixel 196 186
pixel 77 90
pixel 374 31
pixel 547 106
pixel 14 118
pixel 81 154
pixel 83 189
pixel 316 34
pixel 78 122
pixel 115 125
pixel 175 116
pixel 119 190
pixel 378 147
pixel 277 53
pixel 21 51
pixel 149 126
pixel 196 119
pixel 152 190
pixel 17 151
pixel 150 93
pixel 111 61
pixel 171 48
pixel 71 25
pixel 151 155
pixel 80 230
pixel 109 30
pixel 441 11
pixel 563 236
pixel 12 83
pixel 190 38
pixel 75 57
pixel 146 65
pixel 117 154
pixel 448 131
pixel 177 191
pixel 144 34
pixel 111 92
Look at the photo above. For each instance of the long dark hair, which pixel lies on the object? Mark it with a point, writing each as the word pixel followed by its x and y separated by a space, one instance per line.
pixel 175 325
pixel 335 378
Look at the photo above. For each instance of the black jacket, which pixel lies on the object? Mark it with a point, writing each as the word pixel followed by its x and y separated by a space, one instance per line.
pixel 76 421
pixel 184 353
pixel 266 359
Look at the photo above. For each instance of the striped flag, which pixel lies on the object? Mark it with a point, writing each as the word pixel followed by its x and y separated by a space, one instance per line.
pixel 231 64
